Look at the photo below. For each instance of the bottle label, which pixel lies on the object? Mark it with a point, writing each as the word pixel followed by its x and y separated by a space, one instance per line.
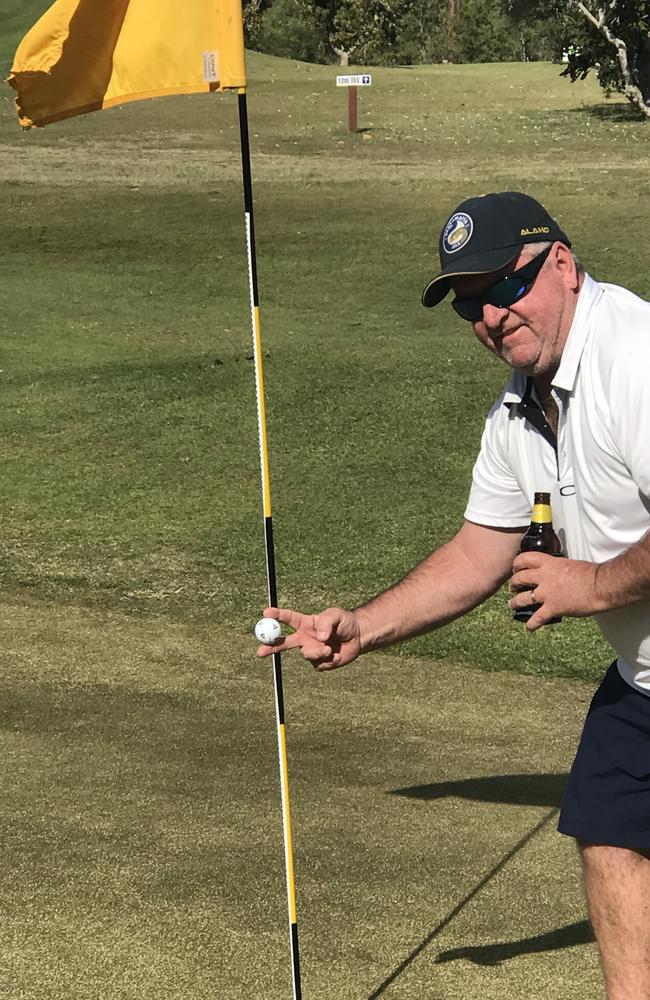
pixel 541 514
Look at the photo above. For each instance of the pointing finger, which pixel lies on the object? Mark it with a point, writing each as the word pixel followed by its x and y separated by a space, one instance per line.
pixel 285 615
pixel 311 649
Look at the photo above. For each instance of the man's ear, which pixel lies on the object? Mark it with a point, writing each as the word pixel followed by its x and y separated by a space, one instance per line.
pixel 566 266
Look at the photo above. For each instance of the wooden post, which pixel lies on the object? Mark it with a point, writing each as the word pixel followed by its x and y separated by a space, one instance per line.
pixel 352 109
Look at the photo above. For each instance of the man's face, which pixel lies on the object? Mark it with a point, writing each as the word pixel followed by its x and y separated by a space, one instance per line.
pixel 530 334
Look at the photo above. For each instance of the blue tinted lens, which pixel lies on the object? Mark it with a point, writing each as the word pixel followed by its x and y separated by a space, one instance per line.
pixel 504 293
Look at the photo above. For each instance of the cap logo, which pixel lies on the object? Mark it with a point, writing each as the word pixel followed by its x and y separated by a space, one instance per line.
pixel 458 232
pixel 535 231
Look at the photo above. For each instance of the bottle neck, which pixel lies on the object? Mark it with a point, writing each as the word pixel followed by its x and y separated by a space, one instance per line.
pixel 541 514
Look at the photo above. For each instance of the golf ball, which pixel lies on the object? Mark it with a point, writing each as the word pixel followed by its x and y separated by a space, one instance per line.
pixel 268 631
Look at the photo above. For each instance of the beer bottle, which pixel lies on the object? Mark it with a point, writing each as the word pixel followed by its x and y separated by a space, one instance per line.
pixel 540 537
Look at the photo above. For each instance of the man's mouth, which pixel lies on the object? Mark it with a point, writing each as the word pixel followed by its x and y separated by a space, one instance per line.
pixel 499 335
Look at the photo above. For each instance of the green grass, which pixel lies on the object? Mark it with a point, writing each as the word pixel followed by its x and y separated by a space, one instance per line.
pixel 130 416
pixel 141 837
pixel 141 840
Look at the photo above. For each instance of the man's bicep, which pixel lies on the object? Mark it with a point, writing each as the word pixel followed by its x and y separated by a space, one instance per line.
pixel 491 550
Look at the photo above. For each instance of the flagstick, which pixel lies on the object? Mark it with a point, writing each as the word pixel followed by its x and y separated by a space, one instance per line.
pixel 268 535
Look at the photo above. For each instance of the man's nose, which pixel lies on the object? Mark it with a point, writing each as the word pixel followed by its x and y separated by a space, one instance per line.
pixel 493 316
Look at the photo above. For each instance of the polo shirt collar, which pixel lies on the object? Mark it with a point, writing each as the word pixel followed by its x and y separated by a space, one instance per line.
pixel 515 389
pixel 567 373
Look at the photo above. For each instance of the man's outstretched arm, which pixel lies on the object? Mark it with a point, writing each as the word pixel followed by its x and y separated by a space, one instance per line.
pixel 455 578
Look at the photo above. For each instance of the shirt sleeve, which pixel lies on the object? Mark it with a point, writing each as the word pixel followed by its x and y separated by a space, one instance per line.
pixel 496 498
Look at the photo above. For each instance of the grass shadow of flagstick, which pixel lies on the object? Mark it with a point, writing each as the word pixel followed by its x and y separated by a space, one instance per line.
pixel 403 966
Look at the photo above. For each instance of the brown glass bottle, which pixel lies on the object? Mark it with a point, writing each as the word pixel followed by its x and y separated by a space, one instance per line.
pixel 539 537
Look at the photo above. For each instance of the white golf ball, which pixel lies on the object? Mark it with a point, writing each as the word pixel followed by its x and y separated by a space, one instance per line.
pixel 268 631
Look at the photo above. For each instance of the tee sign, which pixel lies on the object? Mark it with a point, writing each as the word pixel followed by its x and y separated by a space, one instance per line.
pixel 360 80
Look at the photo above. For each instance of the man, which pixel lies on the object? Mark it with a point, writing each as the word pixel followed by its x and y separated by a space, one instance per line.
pixel 573 421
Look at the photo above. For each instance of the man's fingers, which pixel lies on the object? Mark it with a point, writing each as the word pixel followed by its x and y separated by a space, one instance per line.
pixel 523 600
pixel 537 620
pixel 523 580
pixel 286 643
pixel 326 663
pixel 285 615
pixel 311 649
pixel 320 638
pixel 314 650
pixel 529 560
pixel 327 623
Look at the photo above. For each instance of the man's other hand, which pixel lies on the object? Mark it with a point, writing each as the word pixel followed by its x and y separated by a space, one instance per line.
pixel 560 586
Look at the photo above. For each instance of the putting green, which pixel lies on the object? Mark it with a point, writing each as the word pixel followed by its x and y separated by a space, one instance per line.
pixel 141 835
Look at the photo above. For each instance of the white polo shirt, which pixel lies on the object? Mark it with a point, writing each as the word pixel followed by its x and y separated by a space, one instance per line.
pixel 599 480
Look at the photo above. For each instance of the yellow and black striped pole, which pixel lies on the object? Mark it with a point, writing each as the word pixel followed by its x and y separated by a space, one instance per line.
pixel 268 536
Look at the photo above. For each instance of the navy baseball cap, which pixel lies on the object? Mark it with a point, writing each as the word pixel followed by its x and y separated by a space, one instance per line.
pixel 484 234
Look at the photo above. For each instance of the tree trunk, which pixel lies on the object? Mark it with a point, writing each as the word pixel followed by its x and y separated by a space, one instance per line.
pixel 643 70
pixel 252 13
pixel 344 55
pixel 632 89
pixel 454 9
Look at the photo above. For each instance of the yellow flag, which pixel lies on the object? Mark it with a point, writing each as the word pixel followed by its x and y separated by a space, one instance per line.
pixel 83 55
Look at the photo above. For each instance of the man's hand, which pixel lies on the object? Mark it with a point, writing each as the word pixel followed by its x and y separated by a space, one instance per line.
pixel 561 586
pixel 328 640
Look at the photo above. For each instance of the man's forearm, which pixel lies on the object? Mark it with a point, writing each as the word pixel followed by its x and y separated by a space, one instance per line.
pixel 626 578
pixel 451 581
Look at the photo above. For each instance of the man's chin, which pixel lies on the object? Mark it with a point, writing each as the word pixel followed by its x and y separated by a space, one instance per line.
pixel 520 361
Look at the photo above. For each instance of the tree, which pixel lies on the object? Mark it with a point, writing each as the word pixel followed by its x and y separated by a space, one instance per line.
pixel 544 26
pixel 485 34
pixel 293 28
pixel 253 10
pixel 611 37
pixel 617 46
pixel 366 27
pixel 389 32
pixel 424 35
pixel 316 29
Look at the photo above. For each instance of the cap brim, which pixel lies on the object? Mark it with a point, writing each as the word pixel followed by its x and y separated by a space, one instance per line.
pixel 482 263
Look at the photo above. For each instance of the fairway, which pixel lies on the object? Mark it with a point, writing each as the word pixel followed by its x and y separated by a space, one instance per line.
pixel 142 842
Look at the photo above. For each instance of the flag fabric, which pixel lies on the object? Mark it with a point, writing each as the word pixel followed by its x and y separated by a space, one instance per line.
pixel 83 55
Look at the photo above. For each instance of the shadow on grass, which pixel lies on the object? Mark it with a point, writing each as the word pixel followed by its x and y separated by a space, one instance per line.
pixel 514 789
pixel 611 112
pixel 494 954
pixel 529 789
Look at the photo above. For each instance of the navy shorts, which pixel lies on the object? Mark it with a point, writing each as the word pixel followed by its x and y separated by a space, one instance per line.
pixel 607 798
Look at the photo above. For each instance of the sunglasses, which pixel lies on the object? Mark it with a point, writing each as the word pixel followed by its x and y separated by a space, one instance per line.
pixel 505 292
